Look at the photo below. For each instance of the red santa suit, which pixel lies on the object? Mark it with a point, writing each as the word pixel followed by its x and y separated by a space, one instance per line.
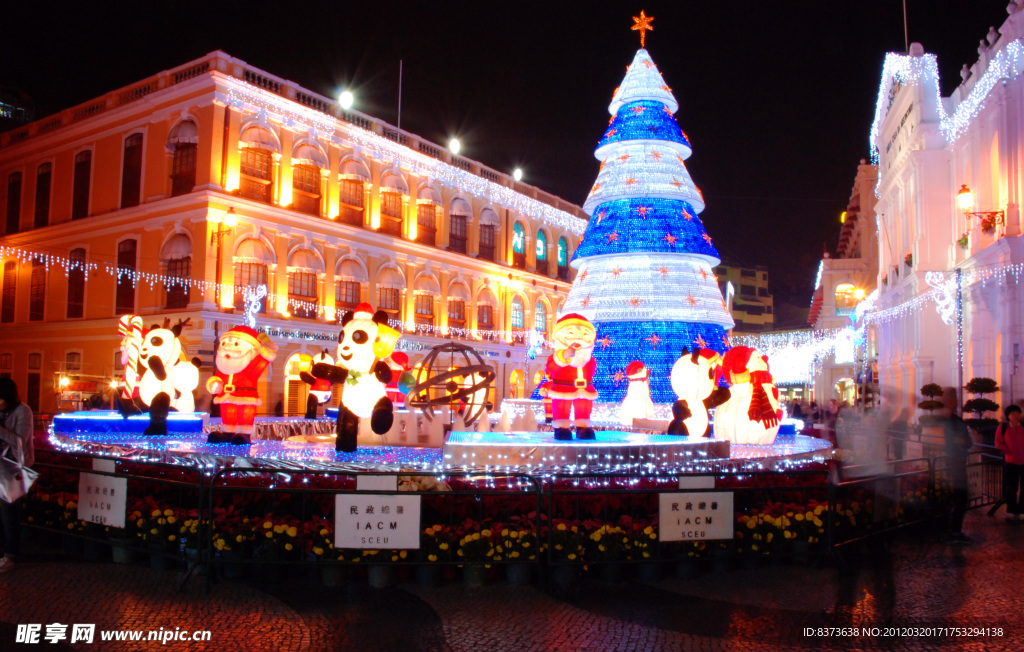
pixel 238 393
pixel 571 385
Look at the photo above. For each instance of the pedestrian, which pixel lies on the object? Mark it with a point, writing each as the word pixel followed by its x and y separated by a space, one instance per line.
pixel 15 433
pixel 958 443
pixel 798 412
pixel 815 412
pixel 1010 440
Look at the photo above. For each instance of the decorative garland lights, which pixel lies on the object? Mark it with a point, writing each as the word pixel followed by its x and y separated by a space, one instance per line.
pixel 325 128
pixel 1007 64
pixel 795 357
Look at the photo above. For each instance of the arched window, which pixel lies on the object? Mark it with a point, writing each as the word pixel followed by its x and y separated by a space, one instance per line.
pixel 542 247
pixel 44 173
pixel 485 306
pixel 847 296
pixel 488 229
pixel 390 284
pixel 392 189
pixel 80 190
pixel 6 365
pixel 303 298
pixel 563 259
pixel 73 361
pixel 458 299
pixel 251 258
pixel 183 142
pixel 13 203
pixel 426 289
pixel 37 290
pixel 348 290
pixel 540 317
pixel 76 284
pixel 177 256
pixel 131 171
pixel 9 291
pixel 126 265
pixel 518 317
pixel 352 200
pixel 306 175
pixel 256 165
pixel 519 246
pixel 458 221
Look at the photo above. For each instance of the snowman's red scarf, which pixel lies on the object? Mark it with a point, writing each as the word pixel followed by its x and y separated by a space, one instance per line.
pixel 760 407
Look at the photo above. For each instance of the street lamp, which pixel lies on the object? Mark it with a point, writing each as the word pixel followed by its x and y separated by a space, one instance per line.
pixel 517 174
pixel 346 99
pixel 989 219
pixel 455 146
pixel 230 221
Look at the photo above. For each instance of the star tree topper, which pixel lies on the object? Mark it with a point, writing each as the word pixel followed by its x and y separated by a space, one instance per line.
pixel 642 24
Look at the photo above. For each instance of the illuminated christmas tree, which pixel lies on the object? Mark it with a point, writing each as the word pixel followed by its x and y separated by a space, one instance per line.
pixel 645 262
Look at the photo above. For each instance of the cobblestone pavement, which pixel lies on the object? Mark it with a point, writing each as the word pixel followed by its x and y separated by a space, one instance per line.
pixel 917 582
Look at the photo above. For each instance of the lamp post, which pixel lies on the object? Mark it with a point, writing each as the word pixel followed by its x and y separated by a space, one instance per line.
pixel 230 221
pixel 989 219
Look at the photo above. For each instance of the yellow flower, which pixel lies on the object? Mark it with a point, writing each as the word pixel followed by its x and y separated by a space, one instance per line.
pixel 293 531
pixel 168 512
pixel 751 524
pixel 154 531
pixel 156 512
pixel 171 520
pixel 432 557
pixel 443 546
pixel 799 517
pixel 239 538
pixel 324 532
pixel 267 525
pixel 288 546
pixel 171 537
pixel 318 551
pixel 561 527
pixel 270 535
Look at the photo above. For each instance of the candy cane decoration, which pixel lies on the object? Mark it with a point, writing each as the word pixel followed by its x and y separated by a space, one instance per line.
pixel 129 327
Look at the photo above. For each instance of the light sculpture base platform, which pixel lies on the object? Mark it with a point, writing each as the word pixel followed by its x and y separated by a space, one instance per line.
pixel 611 452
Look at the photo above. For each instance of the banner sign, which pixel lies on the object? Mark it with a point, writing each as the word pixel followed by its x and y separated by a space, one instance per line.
pixel 368 522
pixel 699 516
pixel 102 499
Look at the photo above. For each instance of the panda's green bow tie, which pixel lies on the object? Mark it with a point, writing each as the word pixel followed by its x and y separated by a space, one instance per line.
pixel 353 377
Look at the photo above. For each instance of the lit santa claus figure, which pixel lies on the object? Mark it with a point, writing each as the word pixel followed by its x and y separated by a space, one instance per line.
pixel 571 370
pixel 637 404
pixel 242 357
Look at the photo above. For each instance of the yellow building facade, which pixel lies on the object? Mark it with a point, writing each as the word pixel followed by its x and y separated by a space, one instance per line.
pixel 172 197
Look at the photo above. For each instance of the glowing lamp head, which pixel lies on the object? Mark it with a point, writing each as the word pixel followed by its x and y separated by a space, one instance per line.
pixel 346 99
pixel 965 198
pixel 64 382
pixel 455 146
pixel 858 294
pixel 231 219
pixel 517 174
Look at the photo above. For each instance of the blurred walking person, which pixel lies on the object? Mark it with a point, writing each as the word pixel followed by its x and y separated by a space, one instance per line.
pixel 1010 440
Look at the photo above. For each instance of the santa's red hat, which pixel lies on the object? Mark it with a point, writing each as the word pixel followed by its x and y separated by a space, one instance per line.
pixel 363 308
pixel 260 341
pixel 571 319
pixel 637 371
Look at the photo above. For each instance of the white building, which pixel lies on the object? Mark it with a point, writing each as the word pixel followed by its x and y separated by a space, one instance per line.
pixel 928 148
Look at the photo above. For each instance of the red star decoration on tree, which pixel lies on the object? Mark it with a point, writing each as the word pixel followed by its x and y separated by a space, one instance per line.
pixel 689 297
pixel 656 155
pixel 612 237
pixel 648 63
pixel 725 306
pixel 725 341
pixel 671 239
pixel 666 110
pixel 642 211
pixel 605 342
pixel 686 215
pixel 601 216
pixel 586 301
pixel 665 88
pixel 677 183
pixel 610 133
pixel 630 181
pixel 616 272
pixel 664 271
pixel 618 377
pixel 701 344
pixel 704 274
pixel 654 340
pixel 637 110
pixel 680 159
pixel 642 24
pixel 611 120
pixel 707 238
pixel 635 302
pixel 583 275
pixel 624 158
pixel 596 186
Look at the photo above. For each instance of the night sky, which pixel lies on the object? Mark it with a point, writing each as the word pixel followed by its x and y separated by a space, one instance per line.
pixel 777 97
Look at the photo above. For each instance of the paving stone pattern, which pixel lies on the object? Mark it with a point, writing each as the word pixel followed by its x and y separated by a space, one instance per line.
pixel 917 581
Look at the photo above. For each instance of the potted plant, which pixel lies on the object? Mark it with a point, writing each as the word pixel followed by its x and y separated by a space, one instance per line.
pixel 476 551
pixel 986 427
pixel 964 242
pixel 930 421
pixel 908 260
pixel 988 225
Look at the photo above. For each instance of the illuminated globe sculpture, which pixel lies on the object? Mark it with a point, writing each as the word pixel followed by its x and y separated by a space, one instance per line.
pixel 452 377
pixel 645 262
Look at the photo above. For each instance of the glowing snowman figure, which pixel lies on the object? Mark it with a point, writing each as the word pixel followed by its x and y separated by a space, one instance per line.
pixel 752 413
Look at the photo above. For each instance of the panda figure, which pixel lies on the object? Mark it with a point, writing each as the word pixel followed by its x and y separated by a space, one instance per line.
pixel 319 388
pixel 166 380
pixel 365 343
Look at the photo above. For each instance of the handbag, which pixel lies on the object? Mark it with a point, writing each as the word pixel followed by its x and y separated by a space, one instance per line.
pixel 15 479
